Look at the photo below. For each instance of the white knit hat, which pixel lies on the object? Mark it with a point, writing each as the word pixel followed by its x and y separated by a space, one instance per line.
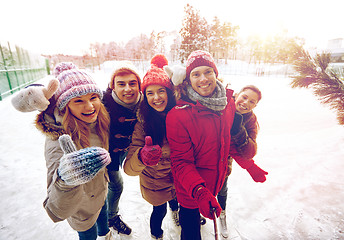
pixel 124 65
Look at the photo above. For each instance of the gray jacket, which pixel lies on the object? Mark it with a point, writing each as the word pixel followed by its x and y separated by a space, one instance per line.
pixel 80 205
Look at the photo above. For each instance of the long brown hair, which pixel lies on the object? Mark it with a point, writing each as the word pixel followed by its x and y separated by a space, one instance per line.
pixel 155 122
pixel 80 131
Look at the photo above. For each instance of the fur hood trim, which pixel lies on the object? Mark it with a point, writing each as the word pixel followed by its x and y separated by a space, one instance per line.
pixel 139 116
pixel 48 127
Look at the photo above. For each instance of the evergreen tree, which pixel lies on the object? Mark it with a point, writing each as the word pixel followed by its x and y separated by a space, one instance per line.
pixel 194 33
pixel 215 38
pixel 152 46
pixel 255 45
pixel 160 42
pixel 229 39
pixel 315 73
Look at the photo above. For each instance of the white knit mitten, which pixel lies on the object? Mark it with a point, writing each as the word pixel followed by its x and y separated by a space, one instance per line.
pixel 35 97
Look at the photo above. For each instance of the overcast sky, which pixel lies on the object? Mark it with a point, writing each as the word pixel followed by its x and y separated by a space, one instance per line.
pixel 69 26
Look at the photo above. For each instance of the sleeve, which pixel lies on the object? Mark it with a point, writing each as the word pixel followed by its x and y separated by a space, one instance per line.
pixel 62 200
pixel 182 152
pixel 133 166
pixel 246 144
pixel 243 162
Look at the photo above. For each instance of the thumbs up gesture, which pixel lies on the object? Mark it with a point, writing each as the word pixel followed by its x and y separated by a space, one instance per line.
pixel 35 97
pixel 80 166
pixel 150 154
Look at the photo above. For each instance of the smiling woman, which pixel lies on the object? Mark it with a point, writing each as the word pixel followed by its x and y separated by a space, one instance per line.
pixel 247 99
pixel 85 107
pixel 149 152
pixel 157 97
pixel 76 125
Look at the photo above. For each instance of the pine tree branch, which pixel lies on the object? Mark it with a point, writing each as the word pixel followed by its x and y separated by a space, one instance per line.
pixel 313 73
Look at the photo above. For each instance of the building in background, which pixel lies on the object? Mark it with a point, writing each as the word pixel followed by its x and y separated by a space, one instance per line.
pixel 336 48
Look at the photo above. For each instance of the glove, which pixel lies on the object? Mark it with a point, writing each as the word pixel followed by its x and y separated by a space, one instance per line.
pixel 150 154
pixel 257 174
pixel 207 203
pixel 79 167
pixel 35 97
pixel 237 124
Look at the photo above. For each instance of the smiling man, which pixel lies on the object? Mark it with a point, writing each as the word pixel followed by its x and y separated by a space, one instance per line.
pixel 199 132
pixel 121 99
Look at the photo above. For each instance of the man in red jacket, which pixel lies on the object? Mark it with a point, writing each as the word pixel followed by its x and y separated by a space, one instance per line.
pixel 199 131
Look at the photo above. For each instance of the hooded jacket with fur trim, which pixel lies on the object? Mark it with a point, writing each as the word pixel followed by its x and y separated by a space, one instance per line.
pixel 80 205
pixel 156 182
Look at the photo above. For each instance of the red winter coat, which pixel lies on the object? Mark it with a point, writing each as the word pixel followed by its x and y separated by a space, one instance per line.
pixel 199 140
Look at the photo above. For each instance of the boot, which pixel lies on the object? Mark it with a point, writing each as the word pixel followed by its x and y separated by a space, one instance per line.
pixel 202 220
pixel 161 237
pixel 108 236
pixel 223 224
pixel 175 217
pixel 118 225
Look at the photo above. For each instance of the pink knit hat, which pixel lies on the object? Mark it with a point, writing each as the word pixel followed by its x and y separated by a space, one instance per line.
pixel 156 74
pixel 74 83
pixel 63 66
pixel 199 58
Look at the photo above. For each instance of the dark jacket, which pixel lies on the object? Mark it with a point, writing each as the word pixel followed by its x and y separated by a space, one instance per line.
pixel 245 140
pixel 122 125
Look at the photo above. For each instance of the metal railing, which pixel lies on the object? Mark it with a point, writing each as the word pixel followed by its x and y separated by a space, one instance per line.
pixel 19 68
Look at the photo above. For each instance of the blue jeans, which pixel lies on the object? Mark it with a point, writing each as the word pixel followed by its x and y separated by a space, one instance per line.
pixel 114 193
pixel 100 228
pixel 222 195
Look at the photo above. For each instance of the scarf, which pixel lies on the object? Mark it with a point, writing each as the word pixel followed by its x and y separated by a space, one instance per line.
pixel 216 102
pixel 133 106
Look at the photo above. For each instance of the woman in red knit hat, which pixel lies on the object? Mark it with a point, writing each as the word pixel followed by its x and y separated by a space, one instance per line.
pixel 149 152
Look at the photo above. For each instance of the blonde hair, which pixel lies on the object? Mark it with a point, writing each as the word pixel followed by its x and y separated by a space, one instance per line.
pixel 80 132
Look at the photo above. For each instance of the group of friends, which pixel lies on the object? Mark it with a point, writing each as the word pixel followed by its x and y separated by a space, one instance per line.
pixel 178 129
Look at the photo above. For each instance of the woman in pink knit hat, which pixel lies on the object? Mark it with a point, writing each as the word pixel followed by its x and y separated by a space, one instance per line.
pixel 149 152
pixel 75 123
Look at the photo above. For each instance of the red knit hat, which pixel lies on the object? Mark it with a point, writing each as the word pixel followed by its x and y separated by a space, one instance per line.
pixel 199 58
pixel 156 74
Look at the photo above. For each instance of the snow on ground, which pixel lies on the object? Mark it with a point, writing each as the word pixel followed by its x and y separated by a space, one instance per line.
pixel 300 144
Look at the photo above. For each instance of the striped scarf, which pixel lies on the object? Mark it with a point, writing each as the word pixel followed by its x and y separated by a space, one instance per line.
pixel 216 102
